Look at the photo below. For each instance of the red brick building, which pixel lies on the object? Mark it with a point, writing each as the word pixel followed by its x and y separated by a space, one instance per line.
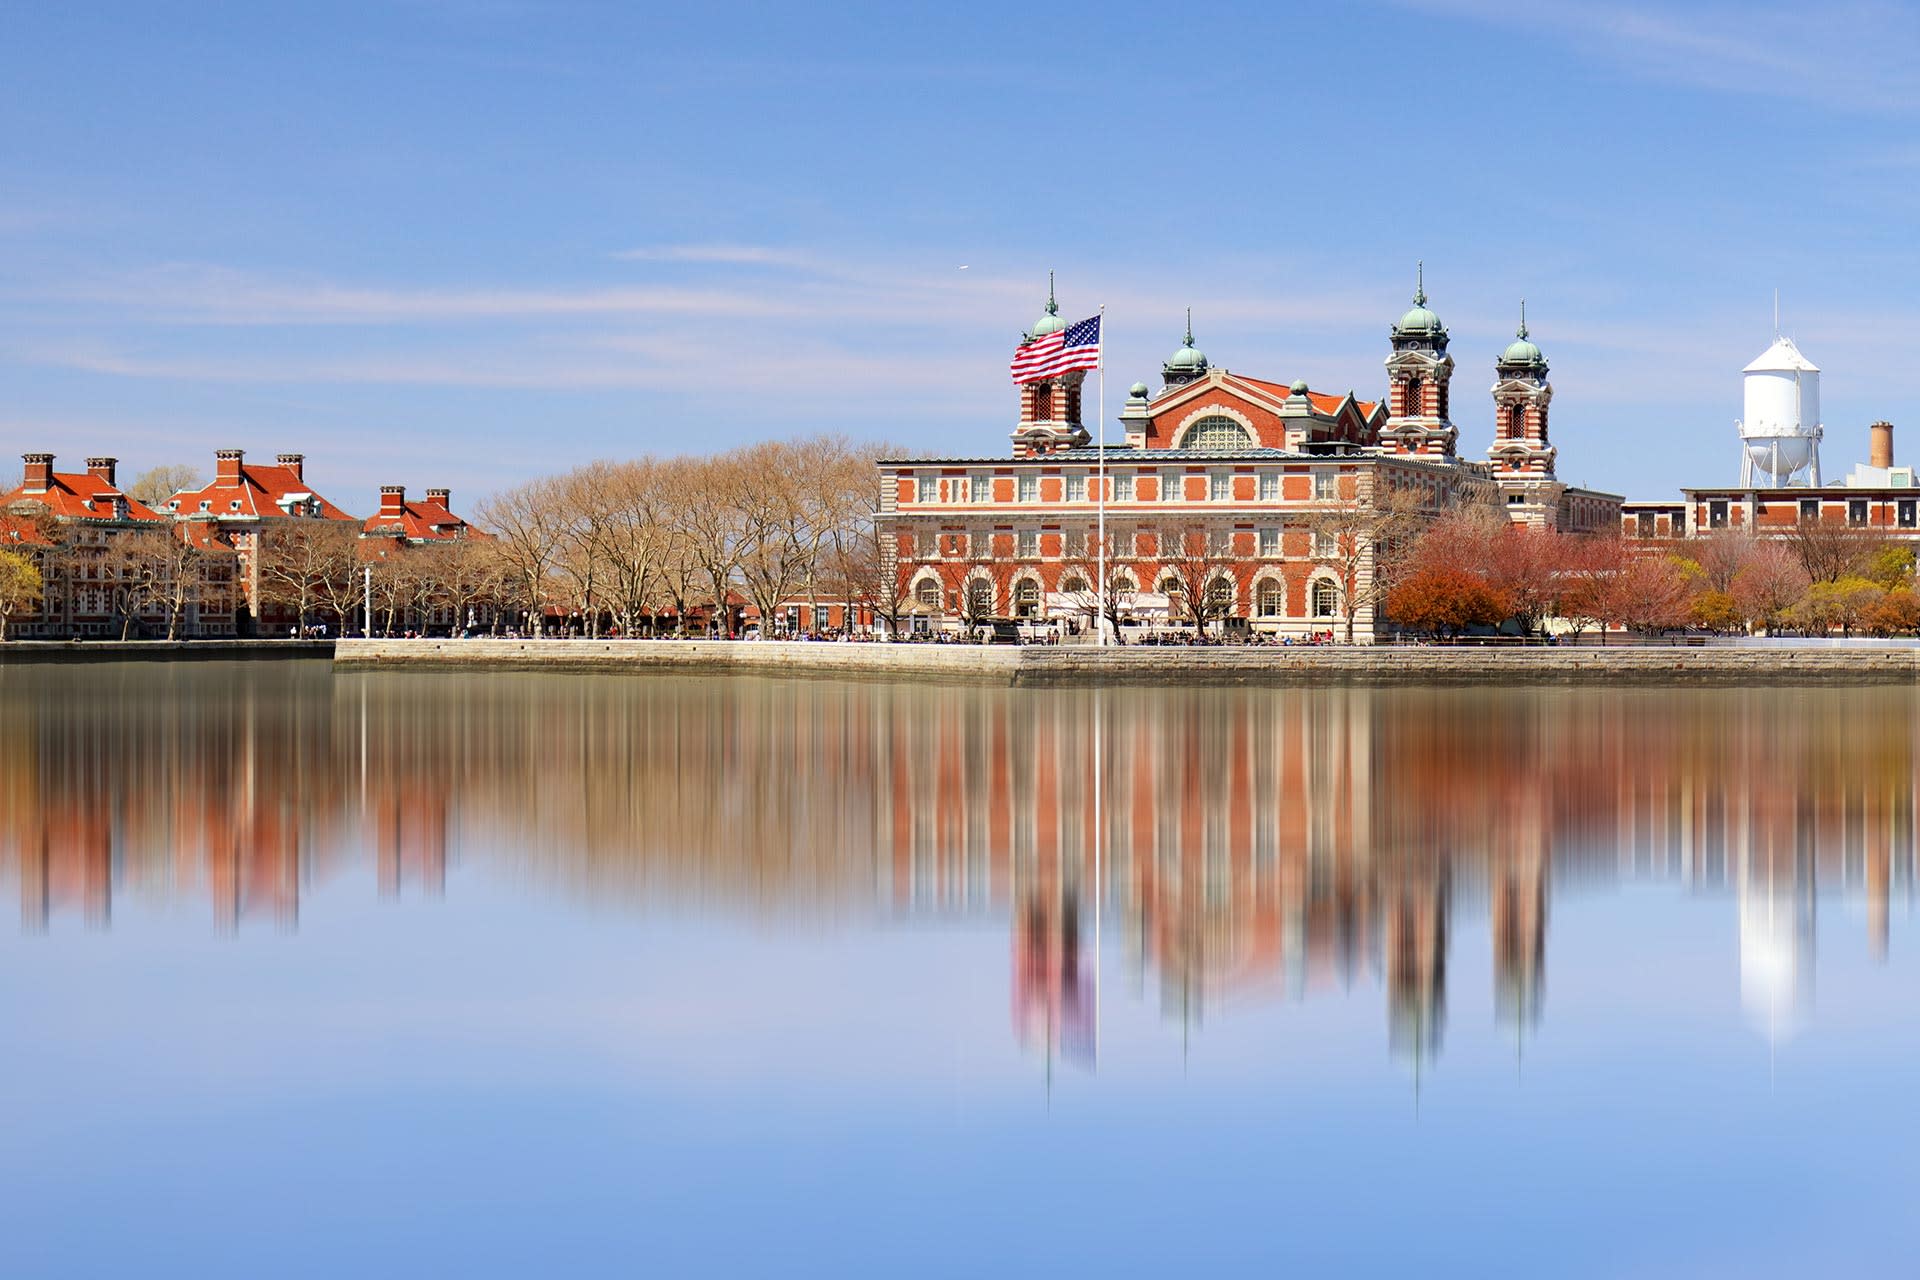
pixel 1247 473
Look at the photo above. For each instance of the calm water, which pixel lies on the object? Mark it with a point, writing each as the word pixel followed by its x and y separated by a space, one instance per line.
pixel 534 975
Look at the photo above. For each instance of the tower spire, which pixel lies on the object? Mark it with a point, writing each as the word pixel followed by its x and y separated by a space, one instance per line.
pixel 1522 331
pixel 1420 283
pixel 1053 308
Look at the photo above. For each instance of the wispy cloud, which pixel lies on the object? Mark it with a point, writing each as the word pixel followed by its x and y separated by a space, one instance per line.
pixel 718 254
pixel 1855 55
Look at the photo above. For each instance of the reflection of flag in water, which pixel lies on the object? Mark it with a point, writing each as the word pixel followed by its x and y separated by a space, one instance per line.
pixel 1075 347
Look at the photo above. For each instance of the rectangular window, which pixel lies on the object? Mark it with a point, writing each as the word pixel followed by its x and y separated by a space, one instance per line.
pixel 1027 489
pixel 1325 546
pixel 1646 524
pixel 1270 486
pixel 1074 543
pixel 1123 486
pixel 1270 541
pixel 1219 486
pixel 1076 488
pixel 1717 515
pixel 1324 486
pixel 1809 508
pixel 1171 483
pixel 1027 544
pixel 980 544
pixel 928 489
pixel 1857 512
pixel 1906 511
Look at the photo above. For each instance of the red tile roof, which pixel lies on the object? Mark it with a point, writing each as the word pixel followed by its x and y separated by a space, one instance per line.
pixel 1321 402
pixel 82 496
pixel 260 492
pixel 426 520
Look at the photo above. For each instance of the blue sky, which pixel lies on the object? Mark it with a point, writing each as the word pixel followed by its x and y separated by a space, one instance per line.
pixel 464 241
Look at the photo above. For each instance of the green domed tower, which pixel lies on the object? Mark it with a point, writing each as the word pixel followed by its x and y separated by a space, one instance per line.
pixel 1522 455
pixel 1188 363
pixel 1418 374
pixel 1050 407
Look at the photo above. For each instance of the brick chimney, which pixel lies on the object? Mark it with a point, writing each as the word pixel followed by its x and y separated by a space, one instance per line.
pixel 296 463
pixel 38 477
pixel 1880 444
pixel 226 466
pixel 393 501
pixel 442 496
pixel 103 469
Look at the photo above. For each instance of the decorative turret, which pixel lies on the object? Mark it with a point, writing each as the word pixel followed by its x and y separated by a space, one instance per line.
pixel 1521 454
pixel 1049 321
pixel 1186 364
pixel 1050 407
pixel 1522 355
pixel 1418 372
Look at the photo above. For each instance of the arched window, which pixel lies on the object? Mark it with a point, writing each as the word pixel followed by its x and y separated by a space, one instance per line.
pixel 1324 599
pixel 927 593
pixel 980 597
pixel 1170 586
pixel 1271 599
pixel 1220 597
pixel 1220 433
pixel 1026 598
pixel 1073 586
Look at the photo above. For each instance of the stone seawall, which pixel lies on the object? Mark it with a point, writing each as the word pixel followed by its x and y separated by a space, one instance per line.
pixel 24 652
pixel 1211 665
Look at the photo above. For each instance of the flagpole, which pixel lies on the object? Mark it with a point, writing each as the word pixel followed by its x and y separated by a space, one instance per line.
pixel 1099 813
pixel 1101 464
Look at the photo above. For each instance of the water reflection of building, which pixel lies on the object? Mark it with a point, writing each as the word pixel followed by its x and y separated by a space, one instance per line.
pixel 1253 843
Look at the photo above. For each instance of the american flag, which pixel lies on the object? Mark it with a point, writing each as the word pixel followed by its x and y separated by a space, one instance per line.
pixel 1075 347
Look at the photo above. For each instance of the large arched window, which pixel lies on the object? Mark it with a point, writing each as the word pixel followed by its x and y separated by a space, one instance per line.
pixel 1325 599
pixel 927 594
pixel 1073 586
pixel 1271 599
pixel 1217 432
pixel 980 597
pixel 1026 598
pixel 1220 597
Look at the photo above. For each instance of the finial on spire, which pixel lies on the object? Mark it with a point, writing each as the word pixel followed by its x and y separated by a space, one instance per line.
pixel 1053 308
pixel 1189 326
pixel 1420 283
pixel 1522 332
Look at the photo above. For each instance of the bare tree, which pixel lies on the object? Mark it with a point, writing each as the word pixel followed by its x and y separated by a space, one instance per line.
pixel 156 484
pixel 1360 538
pixel 527 520
pixel 1829 550
pixel 303 563
pixel 167 573
pixel 1197 559
pixel 1101 586
pixel 711 521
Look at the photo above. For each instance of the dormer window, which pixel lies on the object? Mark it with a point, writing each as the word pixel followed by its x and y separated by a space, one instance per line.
pixel 206 506
pixel 234 505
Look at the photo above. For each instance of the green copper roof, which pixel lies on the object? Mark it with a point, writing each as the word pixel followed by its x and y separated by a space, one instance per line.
pixel 1522 350
pixel 1188 359
pixel 1418 319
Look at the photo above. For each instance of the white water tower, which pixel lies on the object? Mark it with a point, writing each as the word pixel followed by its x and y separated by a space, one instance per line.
pixel 1780 434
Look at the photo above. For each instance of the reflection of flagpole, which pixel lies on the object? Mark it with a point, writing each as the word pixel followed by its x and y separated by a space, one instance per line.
pixel 1101 465
pixel 1099 841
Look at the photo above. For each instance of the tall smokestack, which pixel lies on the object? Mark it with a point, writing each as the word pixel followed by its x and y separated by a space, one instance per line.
pixel 1880 444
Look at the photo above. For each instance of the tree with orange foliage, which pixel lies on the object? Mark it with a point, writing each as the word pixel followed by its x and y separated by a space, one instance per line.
pixel 1445 601
pixel 1894 614
pixel 1650 593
